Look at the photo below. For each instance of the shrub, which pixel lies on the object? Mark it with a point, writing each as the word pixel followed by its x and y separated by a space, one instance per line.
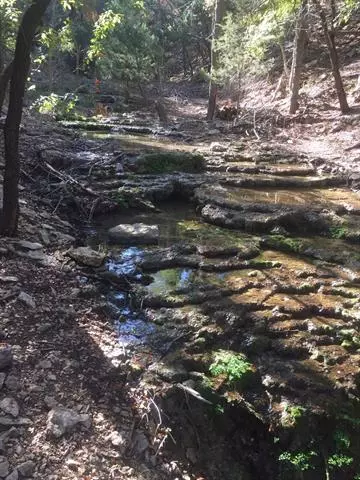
pixel 55 105
pixel 233 366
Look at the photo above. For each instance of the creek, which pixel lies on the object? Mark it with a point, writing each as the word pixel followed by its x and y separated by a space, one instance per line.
pixel 259 267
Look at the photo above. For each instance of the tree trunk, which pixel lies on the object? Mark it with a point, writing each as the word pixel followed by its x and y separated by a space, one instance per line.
pixel 284 59
pixel 334 58
pixel 21 64
pixel 4 81
pixel 213 87
pixel 298 57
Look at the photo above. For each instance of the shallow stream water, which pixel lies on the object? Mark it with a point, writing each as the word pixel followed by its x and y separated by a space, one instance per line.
pixel 290 304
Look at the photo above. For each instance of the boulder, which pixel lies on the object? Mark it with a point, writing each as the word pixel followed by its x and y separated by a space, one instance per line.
pixel 63 420
pixel 138 233
pixel 10 405
pixel 26 469
pixel 4 467
pixel 87 256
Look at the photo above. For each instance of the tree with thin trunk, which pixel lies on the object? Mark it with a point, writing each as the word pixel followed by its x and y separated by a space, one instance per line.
pixel 298 56
pixel 21 64
pixel 219 12
pixel 4 82
pixel 329 33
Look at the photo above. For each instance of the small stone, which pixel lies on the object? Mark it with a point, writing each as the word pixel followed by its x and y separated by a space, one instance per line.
pixel 4 467
pixel 12 383
pixel 8 279
pixel 217 147
pixel 45 364
pixel 63 420
pixel 116 439
pixel 27 299
pixel 6 356
pixel 27 469
pixel 29 245
pixel 9 405
pixel 87 256
pixel 13 475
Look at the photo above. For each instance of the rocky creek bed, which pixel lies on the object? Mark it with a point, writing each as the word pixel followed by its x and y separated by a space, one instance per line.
pixel 234 300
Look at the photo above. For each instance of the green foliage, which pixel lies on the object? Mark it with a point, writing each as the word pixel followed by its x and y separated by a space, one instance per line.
pixel 338 232
pixel 299 461
pixel 104 26
pixel 296 412
pixel 350 338
pixel 339 461
pixel 55 105
pixel 342 440
pixel 57 39
pixel 219 409
pixel 291 415
pixel 167 162
pixel 9 19
pixel 247 34
pixel 120 199
pixel 234 366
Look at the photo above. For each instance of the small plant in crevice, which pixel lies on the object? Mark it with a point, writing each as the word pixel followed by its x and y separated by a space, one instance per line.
pixel 337 232
pixel 120 199
pixel 291 415
pixel 233 367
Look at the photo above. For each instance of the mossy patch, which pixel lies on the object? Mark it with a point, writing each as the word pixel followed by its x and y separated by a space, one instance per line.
pixel 90 126
pixel 206 234
pixel 167 162
pixel 282 243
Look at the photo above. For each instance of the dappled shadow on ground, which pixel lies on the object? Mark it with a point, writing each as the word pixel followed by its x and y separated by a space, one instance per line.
pixel 70 332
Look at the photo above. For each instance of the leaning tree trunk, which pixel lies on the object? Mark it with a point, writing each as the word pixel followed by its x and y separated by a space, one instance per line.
pixel 4 81
pixel 21 65
pixel 298 57
pixel 213 87
pixel 334 58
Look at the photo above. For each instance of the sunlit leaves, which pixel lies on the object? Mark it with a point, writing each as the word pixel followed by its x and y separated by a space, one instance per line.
pixel 105 24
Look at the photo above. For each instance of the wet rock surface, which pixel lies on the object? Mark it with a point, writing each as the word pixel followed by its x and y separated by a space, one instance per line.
pixel 226 331
pixel 230 277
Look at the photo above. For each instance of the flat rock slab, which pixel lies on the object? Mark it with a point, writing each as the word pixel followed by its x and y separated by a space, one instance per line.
pixel 87 256
pixel 138 233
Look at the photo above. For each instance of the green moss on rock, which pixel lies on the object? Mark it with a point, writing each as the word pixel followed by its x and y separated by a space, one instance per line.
pixel 282 243
pixel 167 162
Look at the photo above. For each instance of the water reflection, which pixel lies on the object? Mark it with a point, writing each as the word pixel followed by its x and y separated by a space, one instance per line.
pixel 124 262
